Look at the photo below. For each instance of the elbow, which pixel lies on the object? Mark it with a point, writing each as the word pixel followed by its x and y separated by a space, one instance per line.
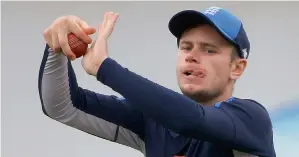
pixel 62 111
pixel 43 107
pixel 52 110
pixel 47 113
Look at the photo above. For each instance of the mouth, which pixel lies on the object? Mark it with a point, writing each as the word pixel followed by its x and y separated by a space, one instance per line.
pixel 188 73
pixel 193 73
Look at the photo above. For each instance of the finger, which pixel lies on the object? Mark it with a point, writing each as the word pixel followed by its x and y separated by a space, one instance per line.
pixel 48 38
pixel 89 30
pixel 112 20
pixel 105 18
pixel 115 18
pixel 64 44
pixel 110 24
pixel 86 28
pixel 78 31
pixel 55 42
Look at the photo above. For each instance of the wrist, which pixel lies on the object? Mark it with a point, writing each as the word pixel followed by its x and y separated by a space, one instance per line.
pixel 97 66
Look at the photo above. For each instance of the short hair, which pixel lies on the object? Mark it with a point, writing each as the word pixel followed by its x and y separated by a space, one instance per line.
pixel 234 53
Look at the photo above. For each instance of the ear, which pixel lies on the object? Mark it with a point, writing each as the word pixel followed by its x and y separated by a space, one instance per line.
pixel 238 67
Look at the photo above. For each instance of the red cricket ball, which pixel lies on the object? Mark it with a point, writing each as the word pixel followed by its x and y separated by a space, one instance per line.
pixel 78 46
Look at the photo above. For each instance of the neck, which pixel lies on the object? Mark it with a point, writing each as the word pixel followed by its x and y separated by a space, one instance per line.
pixel 225 95
pixel 212 102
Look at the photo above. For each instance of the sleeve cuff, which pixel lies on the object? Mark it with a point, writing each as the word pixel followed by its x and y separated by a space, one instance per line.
pixel 105 69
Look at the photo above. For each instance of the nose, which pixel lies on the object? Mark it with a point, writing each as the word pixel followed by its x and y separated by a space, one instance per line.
pixel 191 59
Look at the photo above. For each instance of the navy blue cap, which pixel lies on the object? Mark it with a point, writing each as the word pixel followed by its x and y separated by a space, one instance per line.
pixel 228 25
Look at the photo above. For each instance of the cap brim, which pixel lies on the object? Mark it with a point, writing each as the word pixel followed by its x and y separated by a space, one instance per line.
pixel 183 20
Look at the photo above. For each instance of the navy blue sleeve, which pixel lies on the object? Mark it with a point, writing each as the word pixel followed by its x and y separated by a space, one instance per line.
pixel 240 124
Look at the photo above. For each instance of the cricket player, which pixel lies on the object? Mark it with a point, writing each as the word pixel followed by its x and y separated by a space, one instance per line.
pixel 206 120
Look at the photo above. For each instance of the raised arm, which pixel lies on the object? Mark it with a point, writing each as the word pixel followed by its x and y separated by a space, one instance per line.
pixel 107 117
pixel 240 124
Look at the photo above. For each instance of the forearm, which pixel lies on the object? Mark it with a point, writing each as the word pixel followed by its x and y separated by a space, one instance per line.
pixel 169 108
pixel 58 91
pixel 103 116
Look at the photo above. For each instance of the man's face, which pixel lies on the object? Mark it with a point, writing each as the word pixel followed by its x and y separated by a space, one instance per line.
pixel 205 69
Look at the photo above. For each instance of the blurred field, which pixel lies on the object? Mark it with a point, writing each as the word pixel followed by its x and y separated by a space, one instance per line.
pixel 286 129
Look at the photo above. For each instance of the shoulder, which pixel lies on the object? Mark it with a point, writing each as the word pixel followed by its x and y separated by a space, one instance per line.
pixel 250 113
pixel 246 109
pixel 253 126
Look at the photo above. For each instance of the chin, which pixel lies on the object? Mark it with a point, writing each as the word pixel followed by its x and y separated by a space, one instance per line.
pixel 190 89
pixel 194 92
pixel 200 93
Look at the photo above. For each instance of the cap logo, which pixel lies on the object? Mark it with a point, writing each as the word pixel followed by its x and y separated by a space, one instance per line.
pixel 212 10
pixel 245 53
